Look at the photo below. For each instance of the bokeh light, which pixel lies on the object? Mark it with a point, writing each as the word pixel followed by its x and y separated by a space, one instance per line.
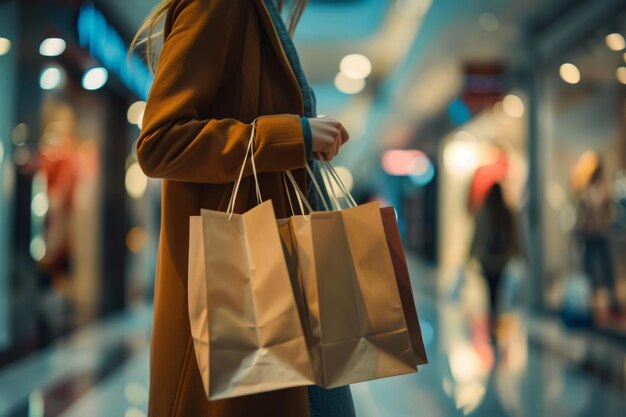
pixel 136 393
pixel 50 78
pixel 52 47
pixel 40 204
pixel 401 162
pixel 349 85
pixel 136 240
pixel 136 181
pixel 135 113
pixel 356 66
pixel 21 155
pixel 20 134
pixel 621 74
pixel 134 412
pixel 513 106
pixel 461 156
pixel 5 46
pixel 570 73
pixel 615 41
pixel 37 248
pixel 95 78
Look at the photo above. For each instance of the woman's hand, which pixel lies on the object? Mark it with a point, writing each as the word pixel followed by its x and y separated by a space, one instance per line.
pixel 328 135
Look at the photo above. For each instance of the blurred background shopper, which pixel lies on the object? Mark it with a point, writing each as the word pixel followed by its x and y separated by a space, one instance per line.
pixel 223 64
pixel 495 242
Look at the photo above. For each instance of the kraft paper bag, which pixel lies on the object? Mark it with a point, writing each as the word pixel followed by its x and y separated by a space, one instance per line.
pixel 197 298
pixel 245 324
pixel 356 327
pixel 398 257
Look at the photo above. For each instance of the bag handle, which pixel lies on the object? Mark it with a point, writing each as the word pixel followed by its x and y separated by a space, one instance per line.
pixel 332 194
pixel 300 193
pixel 347 195
pixel 249 151
pixel 317 187
pixel 333 179
pixel 293 213
pixel 302 200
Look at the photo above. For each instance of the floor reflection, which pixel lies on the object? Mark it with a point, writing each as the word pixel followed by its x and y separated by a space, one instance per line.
pixel 469 375
pixel 103 371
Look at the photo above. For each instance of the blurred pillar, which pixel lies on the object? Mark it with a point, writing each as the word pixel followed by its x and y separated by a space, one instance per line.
pixel 114 208
pixel 8 69
pixel 26 304
pixel 534 296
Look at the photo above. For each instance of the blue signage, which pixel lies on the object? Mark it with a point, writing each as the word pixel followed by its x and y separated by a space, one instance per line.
pixel 107 46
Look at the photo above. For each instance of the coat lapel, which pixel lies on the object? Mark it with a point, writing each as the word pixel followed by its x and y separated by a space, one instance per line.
pixel 278 48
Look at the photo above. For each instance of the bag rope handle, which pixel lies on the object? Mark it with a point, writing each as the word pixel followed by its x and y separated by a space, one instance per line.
pixel 249 151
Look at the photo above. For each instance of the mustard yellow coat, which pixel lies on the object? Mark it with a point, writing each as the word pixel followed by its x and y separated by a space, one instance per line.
pixel 221 66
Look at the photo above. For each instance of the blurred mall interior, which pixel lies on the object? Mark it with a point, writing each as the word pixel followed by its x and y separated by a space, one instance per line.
pixel 443 100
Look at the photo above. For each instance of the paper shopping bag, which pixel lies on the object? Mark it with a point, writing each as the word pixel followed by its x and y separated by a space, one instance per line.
pixel 398 258
pixel 356 328
pixel 247 333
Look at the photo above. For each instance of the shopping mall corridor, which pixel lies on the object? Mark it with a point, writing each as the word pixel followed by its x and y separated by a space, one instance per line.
pixel 539 369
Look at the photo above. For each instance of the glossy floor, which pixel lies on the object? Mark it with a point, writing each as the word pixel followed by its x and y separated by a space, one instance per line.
pixel 102 371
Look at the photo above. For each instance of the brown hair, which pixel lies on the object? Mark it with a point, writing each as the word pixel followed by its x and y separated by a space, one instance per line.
pixel 153 33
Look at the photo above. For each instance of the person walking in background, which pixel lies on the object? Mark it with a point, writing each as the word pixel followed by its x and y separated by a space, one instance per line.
pixel 495 242
pixel 224 65
pixel 594 216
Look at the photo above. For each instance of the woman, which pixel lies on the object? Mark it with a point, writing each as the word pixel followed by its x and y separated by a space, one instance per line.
pixel 495 242
pixel 223 64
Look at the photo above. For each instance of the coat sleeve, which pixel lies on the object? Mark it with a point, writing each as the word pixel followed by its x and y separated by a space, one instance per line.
pixel 178 141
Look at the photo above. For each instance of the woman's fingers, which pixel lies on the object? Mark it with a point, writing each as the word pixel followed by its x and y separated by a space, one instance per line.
pixel 345 136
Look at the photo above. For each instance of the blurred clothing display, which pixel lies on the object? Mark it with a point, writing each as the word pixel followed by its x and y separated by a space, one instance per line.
pixel 595 214
pixel 60 175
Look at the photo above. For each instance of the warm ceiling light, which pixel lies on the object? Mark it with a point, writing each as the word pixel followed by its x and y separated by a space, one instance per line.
pixel 570 73
pixel 349 85
pixel 356 66
pixel 513 106
pixel 50 78
pixel 95 78
pixel 615 41
pixel 489 22
pixel 52 47
pixel 135 112
pixel 5 46
pixel 621 75
pixel 136 181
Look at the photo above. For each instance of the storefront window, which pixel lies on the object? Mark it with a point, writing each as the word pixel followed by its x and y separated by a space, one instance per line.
pixel 583 122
